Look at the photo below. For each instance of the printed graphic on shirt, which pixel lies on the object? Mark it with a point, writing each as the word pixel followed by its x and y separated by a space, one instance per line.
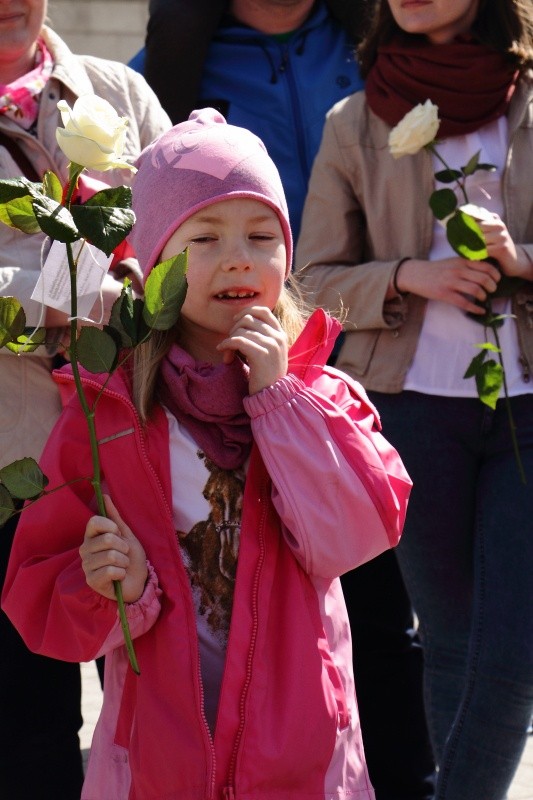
pixel 210 549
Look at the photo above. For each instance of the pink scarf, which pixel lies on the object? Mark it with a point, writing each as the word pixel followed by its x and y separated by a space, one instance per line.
pixel 20 100
pixel 208 400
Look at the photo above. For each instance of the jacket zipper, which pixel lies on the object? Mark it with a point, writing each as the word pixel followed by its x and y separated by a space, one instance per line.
pixel 286 67
pixel 229 789
pixel 212 776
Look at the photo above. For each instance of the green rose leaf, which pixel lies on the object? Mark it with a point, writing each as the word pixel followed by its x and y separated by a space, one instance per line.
pixel 131 315
pixel 119 330
pixel 12 320
pixel 97 350
pixel 15 188
pixel 19 213
pixel 164 293
pixel 27 342
pixel 448 175
pixel 52 186
pixel 488 375
pixel 488 347
pixel 126 322
pixel 489 382
pixel 55 220
pixel 474 366
pixel 7 505
pixel 117 197
pixel 472 165
pixel 443 202
pixel 103 226
pixel 466 237
pixel 24 479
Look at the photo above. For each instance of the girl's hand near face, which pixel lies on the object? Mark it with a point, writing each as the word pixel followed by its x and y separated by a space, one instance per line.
pixel 110 552
pixel 257 334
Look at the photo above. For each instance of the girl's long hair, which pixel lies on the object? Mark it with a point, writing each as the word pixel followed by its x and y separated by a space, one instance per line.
pixel 505 25
pixel 291 311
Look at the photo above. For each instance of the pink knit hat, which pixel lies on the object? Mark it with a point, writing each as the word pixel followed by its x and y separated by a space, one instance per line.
pixel 193 165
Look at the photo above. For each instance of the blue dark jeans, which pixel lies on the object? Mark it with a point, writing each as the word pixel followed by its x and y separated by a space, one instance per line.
pixel 467 560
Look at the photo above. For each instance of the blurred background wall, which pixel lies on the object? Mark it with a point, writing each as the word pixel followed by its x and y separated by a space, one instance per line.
pixel 108 28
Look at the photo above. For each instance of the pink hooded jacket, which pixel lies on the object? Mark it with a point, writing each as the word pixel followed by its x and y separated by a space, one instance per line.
pixel 324 493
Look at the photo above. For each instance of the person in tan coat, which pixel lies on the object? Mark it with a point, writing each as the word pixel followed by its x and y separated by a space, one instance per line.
pixel 370 244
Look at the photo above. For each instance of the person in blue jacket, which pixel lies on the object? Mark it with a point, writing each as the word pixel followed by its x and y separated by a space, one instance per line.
pixel 275 80
pixel 276 67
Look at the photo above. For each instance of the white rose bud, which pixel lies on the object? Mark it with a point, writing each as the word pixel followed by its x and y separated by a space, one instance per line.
pixel 417 129
pixel 94 134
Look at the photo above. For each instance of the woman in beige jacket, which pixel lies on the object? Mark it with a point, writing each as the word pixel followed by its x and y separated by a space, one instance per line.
pixel 370 245
pixel 40 697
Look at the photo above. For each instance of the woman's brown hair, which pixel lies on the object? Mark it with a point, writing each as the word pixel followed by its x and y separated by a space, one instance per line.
pixel 505 25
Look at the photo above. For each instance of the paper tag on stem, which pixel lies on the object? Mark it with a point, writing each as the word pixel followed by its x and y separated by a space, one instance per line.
pixel 53 286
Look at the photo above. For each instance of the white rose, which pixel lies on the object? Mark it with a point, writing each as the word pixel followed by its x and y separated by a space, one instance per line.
pixel 94 134
pixel 417 129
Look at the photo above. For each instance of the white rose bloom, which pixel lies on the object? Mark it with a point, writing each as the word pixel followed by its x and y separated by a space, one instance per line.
pixel 417 129
pixel 94 134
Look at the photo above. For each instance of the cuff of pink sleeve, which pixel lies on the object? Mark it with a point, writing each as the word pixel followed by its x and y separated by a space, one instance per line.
pixel 148 598
pixel 270 398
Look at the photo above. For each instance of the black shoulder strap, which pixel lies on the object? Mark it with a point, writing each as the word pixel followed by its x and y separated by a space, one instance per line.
pixel 18 155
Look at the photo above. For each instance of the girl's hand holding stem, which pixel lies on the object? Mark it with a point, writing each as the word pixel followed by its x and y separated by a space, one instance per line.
pixel 111 552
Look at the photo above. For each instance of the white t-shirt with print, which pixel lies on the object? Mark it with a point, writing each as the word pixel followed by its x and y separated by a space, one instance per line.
pixel 207 506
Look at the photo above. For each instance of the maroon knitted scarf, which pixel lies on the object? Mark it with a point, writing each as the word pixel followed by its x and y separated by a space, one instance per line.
pixel 470 83
pixel 208 400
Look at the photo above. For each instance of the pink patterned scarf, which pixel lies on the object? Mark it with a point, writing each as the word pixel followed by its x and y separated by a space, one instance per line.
pixel 20 100
pixel 208 400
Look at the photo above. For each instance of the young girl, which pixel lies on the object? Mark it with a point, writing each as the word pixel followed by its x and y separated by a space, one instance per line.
pixel 369 236
pixel 243 477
